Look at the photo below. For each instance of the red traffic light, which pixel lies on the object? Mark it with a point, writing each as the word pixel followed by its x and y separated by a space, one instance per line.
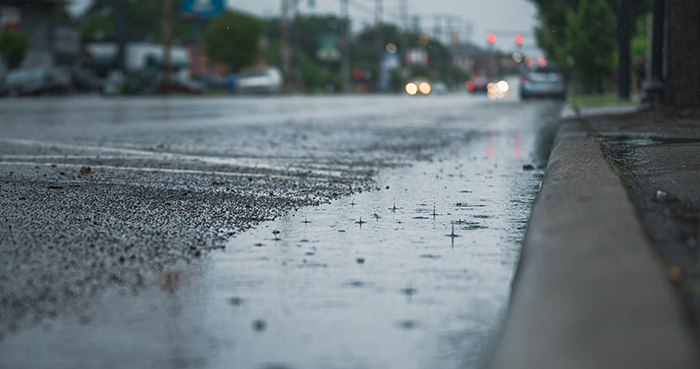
pixel 491 37
pixel 518 39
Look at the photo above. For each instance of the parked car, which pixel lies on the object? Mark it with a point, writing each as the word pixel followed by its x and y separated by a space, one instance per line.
pixel 210 81
pixel 186 85
pixel 37 81
pixel 83 80
pixel 267 80
pixel 543 81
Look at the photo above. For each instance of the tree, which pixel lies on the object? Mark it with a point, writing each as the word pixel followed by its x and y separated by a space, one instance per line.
pixel 553 17
pixel 550 33
pixel 13 46
pixel 233 38
pixel 144 21
pixel 590 41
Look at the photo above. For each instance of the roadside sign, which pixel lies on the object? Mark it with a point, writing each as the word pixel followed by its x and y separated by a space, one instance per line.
pixel 201 9
pixel 328 47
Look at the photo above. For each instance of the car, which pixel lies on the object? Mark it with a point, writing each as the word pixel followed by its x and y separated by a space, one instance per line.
pixel 185 85
pixel 476 85
pixel 545 81
pixel 266 80
pixel 37 81
pixel 418 86
pixel 210 81
pixel 439 87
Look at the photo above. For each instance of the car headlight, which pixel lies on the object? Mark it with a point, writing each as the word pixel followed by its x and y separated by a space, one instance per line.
pixel 411 88
pixel 424 88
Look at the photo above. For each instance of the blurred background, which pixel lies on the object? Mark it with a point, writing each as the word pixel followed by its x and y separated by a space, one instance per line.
pixel 313 46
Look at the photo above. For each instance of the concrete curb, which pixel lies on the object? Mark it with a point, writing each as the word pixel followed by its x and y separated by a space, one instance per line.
pixel 589 291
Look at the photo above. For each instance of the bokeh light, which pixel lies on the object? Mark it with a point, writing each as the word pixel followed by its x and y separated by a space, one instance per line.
pixel 357 73
pixel 391 48
pixel 469 85
pixel 541 61
pixel 424 88
pixel 491 37
pixel 518 39
pixel 502 86
pixel 529 62
pixel 411 88
pixel 517 57
pixel 491 87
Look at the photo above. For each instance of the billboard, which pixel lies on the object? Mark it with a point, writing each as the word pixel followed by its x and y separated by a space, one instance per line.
pixel 201 9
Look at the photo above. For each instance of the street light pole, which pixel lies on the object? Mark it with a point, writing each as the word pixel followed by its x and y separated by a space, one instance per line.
pixel 284 20
pixel 122 31
pixel 167 40
pixel 654 87
pixel 624 30
pixel 345 47
pixel 378 10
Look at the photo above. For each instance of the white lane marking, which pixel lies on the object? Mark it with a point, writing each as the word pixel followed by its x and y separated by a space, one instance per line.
pixel 177 171
pixel 250 163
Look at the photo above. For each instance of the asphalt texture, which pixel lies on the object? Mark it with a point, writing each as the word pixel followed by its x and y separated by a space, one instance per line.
pixel 102 196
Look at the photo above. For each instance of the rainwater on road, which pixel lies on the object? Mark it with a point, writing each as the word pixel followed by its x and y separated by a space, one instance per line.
pixel 395 246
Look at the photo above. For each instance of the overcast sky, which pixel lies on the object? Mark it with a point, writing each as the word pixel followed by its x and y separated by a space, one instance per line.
pixel 499 16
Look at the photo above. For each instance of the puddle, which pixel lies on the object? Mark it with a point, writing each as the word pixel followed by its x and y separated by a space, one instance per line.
pixel 333 286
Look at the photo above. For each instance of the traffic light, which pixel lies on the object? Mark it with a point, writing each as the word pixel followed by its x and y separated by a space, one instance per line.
pixel 423 39
pixel 518 39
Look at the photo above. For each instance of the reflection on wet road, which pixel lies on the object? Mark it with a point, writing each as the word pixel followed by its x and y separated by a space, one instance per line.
pixel 414 271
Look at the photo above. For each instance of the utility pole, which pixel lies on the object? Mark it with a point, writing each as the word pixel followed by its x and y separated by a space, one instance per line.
pixel 295 39
pixel 403 13
pixel 415 24
pixel 468 30
pixel 437 27
pixel 654 87
pixel 624 30
pixel 378 10
pixel 167 40
pixel 122 33
pixel 284 20
pixel 197 41
pixel 448 27
pixel 345 47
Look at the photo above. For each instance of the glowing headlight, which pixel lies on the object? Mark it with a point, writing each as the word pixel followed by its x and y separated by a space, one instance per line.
pixel 411 88
pixel 502 86
pixel 424 88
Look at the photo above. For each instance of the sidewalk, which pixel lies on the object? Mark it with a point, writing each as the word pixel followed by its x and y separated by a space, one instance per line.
pixel 609 274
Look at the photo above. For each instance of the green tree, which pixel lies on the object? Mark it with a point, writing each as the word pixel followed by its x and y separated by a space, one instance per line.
pixel 590 41
pixel 144 21
pixel 233 38
pixel 13 46
pixel 553 18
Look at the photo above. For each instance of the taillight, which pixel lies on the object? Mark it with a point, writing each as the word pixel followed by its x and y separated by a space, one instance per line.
pixel 469 85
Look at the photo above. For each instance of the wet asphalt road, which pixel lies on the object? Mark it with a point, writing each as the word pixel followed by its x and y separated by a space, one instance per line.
pixel 147 259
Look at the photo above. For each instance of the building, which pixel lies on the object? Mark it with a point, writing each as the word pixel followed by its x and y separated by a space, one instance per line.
pixel 50 42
